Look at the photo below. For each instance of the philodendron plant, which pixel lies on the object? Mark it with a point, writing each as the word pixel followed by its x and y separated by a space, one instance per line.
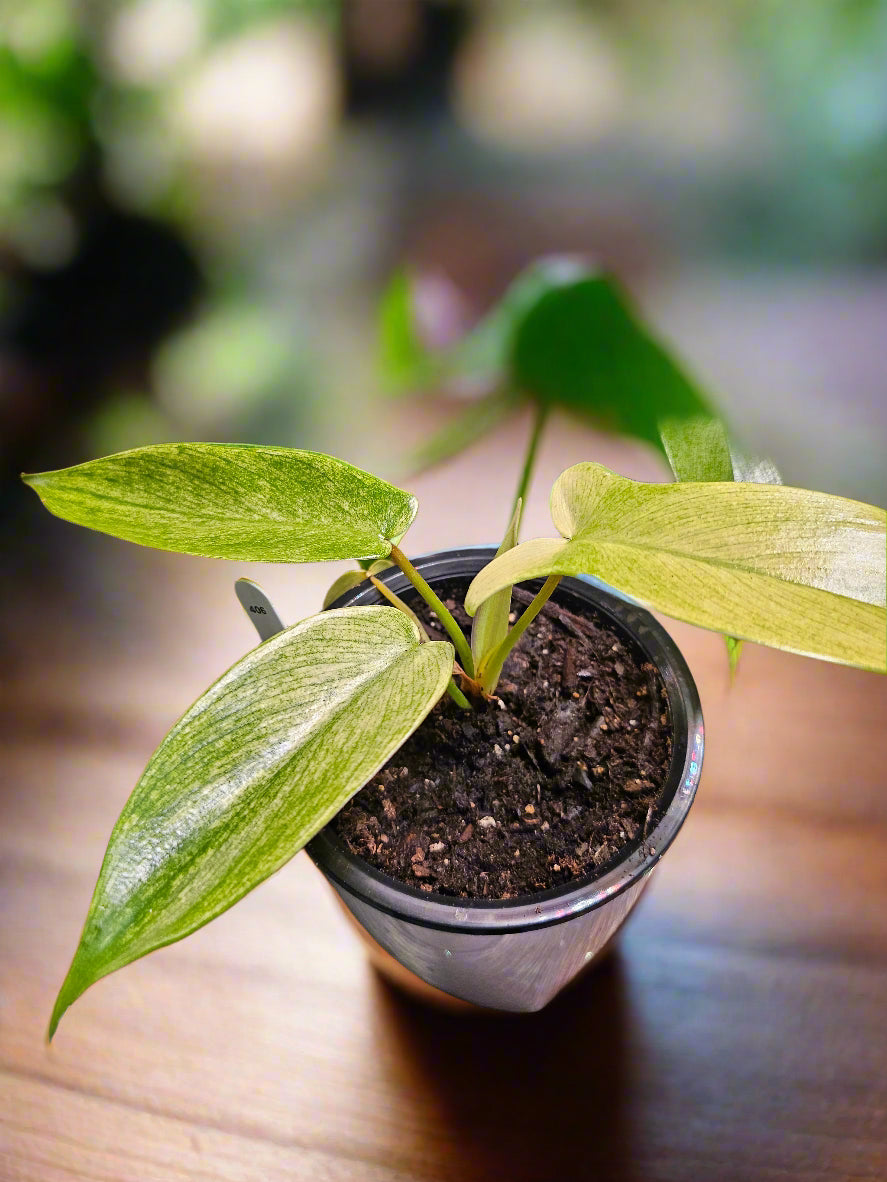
pixel 278 745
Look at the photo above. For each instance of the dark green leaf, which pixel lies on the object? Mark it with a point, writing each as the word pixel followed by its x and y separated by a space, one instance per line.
pixel 565 335
pixel 481 357
pixel 580 346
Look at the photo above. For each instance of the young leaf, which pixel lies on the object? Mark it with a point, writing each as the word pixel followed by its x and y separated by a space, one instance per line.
pixel 377 565
pixel 345 582
pixel 256 504
pixel 353 578
pixel 491 622
pixel 497 658
pixel 251 773
pixel 372 572
pixel 798 570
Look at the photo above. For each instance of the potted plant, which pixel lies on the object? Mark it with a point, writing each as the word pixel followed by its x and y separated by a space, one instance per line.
pixel 521 788
pixel 567 713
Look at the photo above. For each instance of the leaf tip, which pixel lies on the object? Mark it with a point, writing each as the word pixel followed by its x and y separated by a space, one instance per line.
pixel 88 966
pixel 32 479
pixel 53 1026
pixel 67 995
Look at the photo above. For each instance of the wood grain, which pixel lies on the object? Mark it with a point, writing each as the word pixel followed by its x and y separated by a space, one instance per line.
pixel 739 1031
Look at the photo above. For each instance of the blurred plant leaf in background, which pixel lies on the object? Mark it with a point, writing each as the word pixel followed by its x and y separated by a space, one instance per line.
pixel 565 336
pixel 580 347
pixel 45 96
pixel 478 419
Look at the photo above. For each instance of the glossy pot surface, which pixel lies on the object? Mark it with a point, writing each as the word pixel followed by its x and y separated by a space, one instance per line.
pixel 518 954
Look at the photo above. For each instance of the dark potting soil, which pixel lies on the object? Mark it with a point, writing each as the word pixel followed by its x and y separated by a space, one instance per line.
pixel 556 780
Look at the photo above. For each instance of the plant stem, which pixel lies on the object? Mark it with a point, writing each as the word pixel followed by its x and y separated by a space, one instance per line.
pixel 489 674
pixel 540 414
pixel 394 599
pixel 455 632
pixel 397 602
pixel 457 695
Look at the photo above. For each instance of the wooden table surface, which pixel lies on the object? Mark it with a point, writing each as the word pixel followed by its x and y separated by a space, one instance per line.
pixel 739 1031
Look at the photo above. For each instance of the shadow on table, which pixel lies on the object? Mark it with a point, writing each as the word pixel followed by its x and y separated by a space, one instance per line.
pixel 531 1096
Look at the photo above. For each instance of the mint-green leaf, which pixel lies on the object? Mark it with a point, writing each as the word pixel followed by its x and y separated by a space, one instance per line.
pixel 252 772
pixel 797 570
pixel 256 504
pixel 491 622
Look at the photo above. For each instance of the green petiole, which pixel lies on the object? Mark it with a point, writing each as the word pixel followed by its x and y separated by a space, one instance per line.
pixel 396 601
pixel 463 649
pixel 539 418
pixel 457 695
pixel 492 667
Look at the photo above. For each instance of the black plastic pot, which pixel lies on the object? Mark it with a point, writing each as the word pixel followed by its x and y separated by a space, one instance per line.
pixel 518 954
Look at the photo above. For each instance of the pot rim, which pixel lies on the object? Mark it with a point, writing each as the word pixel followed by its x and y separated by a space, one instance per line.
pixel 561 903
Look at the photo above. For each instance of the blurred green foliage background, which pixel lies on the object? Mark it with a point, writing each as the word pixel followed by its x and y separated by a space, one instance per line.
pixel 200 201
